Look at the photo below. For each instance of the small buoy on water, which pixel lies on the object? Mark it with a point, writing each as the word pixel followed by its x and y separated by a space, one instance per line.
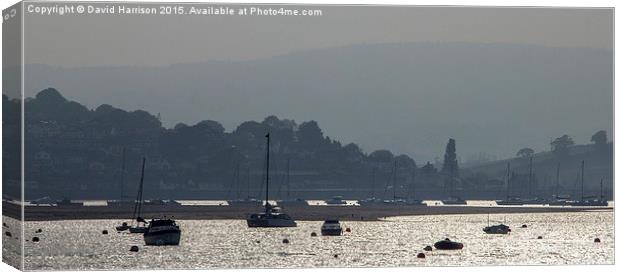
pixel 134 249
pixel 428 248
pixel 258 242
pixel 348 230
pixel 421 255
pixel 335 255
pixel 524 226
pixel 539 237
pixel 8 233
pixel 313 234
pixel 4 225
pixel 38 231
pixel 285 241
pixel 597 240
pixel 35 239
pixel 104 232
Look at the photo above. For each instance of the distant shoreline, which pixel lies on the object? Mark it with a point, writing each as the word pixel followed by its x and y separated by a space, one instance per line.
pixel 297 212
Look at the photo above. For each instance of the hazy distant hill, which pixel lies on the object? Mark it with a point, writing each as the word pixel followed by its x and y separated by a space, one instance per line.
pixel 598 164
pixel 492 98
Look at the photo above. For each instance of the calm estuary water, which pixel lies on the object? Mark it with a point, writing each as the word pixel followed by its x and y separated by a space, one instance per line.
pixel 567 239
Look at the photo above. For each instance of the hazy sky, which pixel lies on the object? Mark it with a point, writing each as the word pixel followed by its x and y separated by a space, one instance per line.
pixel 111 40
pixel 576 84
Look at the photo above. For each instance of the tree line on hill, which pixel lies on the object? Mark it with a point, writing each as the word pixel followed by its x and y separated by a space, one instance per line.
pixel 75 152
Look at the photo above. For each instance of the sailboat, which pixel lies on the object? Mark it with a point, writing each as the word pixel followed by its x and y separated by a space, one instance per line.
pixel 124 225
pixel 141 224
pixel 248 200
pixel 589 201
pixel 372 200
pixel 288 201
pixel 272 216
pixel 452 199
pixel 509 199
pixel 495 229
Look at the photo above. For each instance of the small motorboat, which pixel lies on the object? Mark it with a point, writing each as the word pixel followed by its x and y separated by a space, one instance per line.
pixel 161 232
pixel 141 226
pixel 370 201
pixel 122 227
pixel 454 201
pixel 331 228
pixel 497 229
pixel 337 200
pixel 446 244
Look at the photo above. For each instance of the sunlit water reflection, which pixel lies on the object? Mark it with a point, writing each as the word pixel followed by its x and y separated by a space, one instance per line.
pixel 567 239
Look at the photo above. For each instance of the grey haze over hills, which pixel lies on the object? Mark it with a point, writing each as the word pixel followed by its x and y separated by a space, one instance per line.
pixel 409 97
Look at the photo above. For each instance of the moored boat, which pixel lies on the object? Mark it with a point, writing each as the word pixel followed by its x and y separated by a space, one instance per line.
pixel 272 217
pixel 497 229
pixel 162 232
pixel 336 200
pixel 446 244
pixel 331 228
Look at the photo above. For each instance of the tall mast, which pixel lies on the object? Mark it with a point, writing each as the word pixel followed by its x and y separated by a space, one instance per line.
pixel 530 178
pixel 248 181
pixel 138 206
pixel 557 181
pixel 412 187
pixel 372 185
pixel 122 175
pixel 394 181
pixel 267 173
pixel 238 180
pixel 508 182
pixel 451 181
pixel 601 198
pixel 288 178
pixel 582 169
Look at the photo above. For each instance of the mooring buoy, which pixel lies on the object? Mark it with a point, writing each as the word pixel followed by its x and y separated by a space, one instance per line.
pixel 313 234
pixel 104 232
pixel 539 237
pixel 335 255
pixel 348 230
pixel 524 226
pixel 8 233
pixel 597 240
pixel 35 239
pixel 285 241
pixel 428 248
pixel 134 249
pixel 421 255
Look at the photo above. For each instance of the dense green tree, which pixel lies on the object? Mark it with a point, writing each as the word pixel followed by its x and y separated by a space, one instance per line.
pixel 561 146
pixel 450 164
pixel 525 152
